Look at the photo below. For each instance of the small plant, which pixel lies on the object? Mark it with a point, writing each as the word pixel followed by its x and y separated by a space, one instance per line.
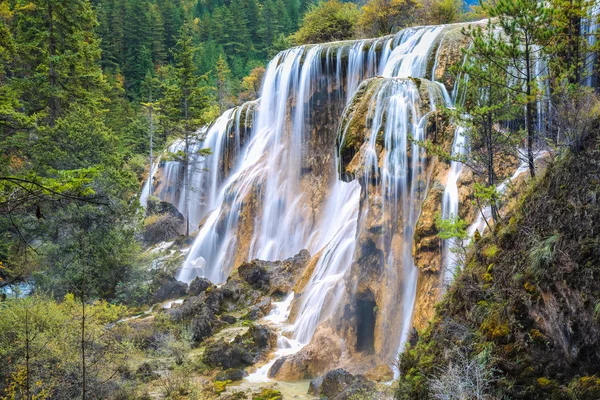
pixel 541 255
pixel 176 384
pixel 464 377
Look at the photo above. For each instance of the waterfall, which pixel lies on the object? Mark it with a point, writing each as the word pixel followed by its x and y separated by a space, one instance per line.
pixel 272 186
pixel 270 171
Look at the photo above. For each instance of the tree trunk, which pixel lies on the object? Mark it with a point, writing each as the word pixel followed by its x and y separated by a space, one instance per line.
pixel 53 102
pixel 27 356
pixel 529 111
pixel 83 362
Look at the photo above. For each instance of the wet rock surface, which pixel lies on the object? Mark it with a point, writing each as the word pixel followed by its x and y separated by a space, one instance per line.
pixel 316 358
pixel 245 295
pixel 276 277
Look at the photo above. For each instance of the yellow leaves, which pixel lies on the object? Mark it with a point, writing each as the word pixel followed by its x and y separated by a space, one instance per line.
pixel 29 7
pixel 529 287
pixel 5 11
pixel 17 387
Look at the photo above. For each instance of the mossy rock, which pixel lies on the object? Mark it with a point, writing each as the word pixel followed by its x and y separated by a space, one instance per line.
pixel 268 394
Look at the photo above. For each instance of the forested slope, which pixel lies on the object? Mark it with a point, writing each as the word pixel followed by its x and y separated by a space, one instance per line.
pixel 522 319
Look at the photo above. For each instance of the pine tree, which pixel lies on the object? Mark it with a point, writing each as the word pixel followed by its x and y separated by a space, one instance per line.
pixel 525 31
pixel 186 103
pixel 138 54
pixel 222 75
pixel 486 114
pixel 57 54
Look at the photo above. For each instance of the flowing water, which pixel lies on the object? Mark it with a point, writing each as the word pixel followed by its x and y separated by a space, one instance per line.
pixel 257 197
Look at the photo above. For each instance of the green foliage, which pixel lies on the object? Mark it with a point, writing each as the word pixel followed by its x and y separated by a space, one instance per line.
pixel 541 254
pixel 42 339
pixel 268 394
pixel 328 21
pixel 383 17
pixel 452 228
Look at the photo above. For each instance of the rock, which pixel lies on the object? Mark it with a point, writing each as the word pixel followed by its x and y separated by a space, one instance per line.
pixel 163 223
pixel 157 207
pixel 335 382
pixel 162 228
pixel 380 373
pixel 233 374
pixel 170 290
pixel 259 310
pixel 243 351
pixel 263 337
pixel 277 277
pixel 255 274
pixel 227 355
pixel 202 325
pixel 342 385
pixel 315 359
pixel 229 319
pixel 199 285
pixel 314 387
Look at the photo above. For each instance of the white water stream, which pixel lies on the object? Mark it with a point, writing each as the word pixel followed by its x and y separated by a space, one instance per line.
pixel 263 207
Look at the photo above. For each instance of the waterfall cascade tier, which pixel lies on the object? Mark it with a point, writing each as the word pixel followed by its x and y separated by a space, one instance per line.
pixel 328 160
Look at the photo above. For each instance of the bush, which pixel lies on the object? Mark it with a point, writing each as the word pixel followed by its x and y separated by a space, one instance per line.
pixel 382 17
pixel 463 378
pixel 327 22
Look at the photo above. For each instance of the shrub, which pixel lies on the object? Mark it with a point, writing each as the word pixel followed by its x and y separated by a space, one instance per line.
pixel 327 22
pixel 464 378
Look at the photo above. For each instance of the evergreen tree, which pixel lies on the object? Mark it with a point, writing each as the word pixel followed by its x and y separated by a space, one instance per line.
pixel 186 103
pixel 525 31
pixel 222 75
pixel 138 54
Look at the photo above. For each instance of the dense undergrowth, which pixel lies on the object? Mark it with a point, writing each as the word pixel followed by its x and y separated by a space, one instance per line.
pixel 521 321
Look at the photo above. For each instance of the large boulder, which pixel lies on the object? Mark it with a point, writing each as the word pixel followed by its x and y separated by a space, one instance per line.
pixel 342 385
pixel 163 222
pixel 232 374
pixel 316 358
pixel 226 355
pixel 169 288
pixel 243 351
pixel 274 277
pixel 157 207
pixel 199 285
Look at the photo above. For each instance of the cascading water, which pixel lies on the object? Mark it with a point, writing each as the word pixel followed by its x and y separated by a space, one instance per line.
pixel 204 173
pixel 282 193
pixel 271 166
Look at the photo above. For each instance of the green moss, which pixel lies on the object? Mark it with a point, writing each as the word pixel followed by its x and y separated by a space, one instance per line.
pixel 491 251
pixel 268 394
pixel 537 336
pixel 220 386
pixel 529 287
pixel 544 382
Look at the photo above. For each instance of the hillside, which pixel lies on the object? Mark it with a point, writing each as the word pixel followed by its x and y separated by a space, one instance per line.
pixel 522 320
